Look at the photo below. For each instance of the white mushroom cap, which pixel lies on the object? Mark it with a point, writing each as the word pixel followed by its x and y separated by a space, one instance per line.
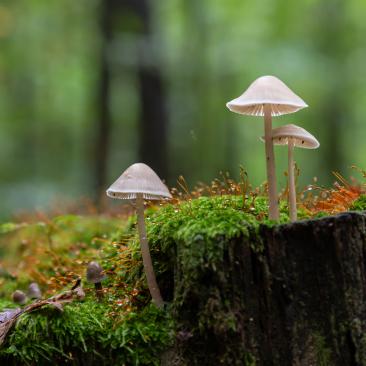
pixel 267 90
pixel 138 178
pixel 300 136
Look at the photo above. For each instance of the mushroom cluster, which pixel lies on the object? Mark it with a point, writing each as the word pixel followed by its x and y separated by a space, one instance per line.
pixel 270 97
pixel 33 292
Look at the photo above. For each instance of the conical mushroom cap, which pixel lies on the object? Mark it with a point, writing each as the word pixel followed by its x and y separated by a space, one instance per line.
pixel 138 178
pixel 300 136
pixel 267 90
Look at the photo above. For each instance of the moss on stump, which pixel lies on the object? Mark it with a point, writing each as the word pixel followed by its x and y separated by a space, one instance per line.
pixel 298 300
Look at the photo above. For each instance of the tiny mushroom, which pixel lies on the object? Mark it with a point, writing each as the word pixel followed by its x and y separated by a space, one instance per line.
pixel 19 297
pixel 293 136
pixel 34 292
pixel 268 96
pixel 95 275
pixel 137 183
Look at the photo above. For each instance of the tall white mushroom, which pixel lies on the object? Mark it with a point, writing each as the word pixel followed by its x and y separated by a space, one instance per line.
pixel 293 136
pixel 139 182
pixel 268 96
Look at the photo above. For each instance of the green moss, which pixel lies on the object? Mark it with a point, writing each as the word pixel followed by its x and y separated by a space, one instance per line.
pixel 359 204
pixel 322 352
pixel 6 304
pixel 320 214
pixel 85 331
pixel 193 235
pixel 209 217
pixel 249 360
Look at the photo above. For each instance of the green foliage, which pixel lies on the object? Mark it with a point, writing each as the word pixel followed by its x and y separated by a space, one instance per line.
pixel 359 204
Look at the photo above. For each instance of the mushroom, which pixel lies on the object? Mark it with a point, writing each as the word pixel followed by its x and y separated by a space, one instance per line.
pixel 94 274
pixel 268 96
pixel 34 292
pixel 293 136
pixel 137 183
pixel 19 297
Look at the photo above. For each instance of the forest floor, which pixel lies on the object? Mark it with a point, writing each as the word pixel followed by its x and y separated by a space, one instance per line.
pixel 124 327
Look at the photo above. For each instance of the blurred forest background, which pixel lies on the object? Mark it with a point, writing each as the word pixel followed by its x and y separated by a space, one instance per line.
pixel 89 87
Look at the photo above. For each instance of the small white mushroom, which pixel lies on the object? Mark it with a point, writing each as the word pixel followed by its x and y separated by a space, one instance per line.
pixel 293 136
pixel 95 275
pixel 268 96
pixel 137 183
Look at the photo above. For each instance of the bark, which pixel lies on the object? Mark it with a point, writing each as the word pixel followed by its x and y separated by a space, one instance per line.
pixel 300 301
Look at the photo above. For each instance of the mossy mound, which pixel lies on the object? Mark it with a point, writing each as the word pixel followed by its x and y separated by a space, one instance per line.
pixel 86 333
pixel 122 329
pixel 55 252
pixel 191 244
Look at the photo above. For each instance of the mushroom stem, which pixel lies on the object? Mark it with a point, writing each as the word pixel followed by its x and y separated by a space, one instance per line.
pixel 146 258
pixel 291 181
pixel 270 162
pixel 99 291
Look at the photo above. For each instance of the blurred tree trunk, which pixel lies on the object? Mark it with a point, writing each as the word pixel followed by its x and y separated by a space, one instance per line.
pixel 331 36
pixel 153 149
pixel 103 123
pixel 152 126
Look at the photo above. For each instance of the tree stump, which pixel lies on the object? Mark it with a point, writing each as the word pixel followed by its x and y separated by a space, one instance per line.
pixel 299 301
